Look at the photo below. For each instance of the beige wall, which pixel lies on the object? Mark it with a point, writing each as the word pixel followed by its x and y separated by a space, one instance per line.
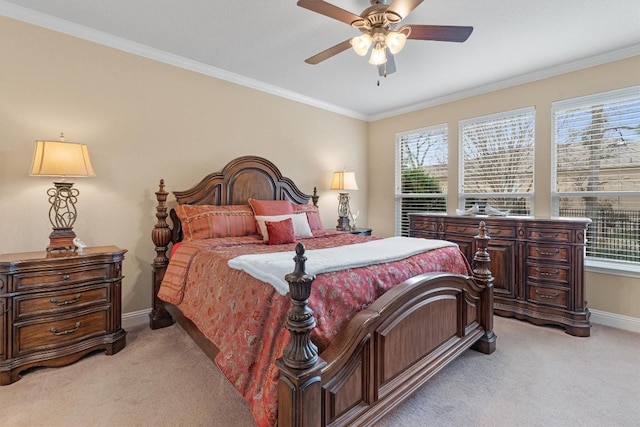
pixel 142 121
pixel 615 294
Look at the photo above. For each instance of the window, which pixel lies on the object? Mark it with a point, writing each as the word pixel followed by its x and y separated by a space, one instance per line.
pixel 596 174
pixel 496 161
pixel 421 173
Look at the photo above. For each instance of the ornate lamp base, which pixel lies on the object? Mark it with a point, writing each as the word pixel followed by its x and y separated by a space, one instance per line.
pixel 61 239
pixel 343 224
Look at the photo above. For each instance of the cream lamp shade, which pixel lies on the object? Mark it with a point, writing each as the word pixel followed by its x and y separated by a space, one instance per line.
pixel 56 158
pixel 343 180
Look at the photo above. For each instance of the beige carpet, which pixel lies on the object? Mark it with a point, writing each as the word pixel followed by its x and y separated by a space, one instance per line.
pixel 537 377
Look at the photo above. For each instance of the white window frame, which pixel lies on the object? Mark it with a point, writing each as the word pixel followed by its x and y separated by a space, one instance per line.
pixel 443 131
pixel 595 264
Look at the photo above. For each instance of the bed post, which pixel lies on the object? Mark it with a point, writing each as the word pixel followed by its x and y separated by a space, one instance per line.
pixel 482 275
pixel 300 389
pixel 161 236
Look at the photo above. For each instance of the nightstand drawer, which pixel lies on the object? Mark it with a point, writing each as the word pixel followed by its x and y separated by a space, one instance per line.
pixel 61 277
pixel 550 296
pixel 61 301
pixel 58 332
pixel 545 252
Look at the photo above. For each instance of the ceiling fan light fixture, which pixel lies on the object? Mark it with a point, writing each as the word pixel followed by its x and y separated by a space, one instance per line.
pixel 361 44
pixel 378 55
pixel 395 40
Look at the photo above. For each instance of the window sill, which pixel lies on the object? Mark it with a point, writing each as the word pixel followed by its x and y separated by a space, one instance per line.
pixel 611 267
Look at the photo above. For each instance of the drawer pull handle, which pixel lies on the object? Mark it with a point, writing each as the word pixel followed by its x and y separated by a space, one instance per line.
pixel 547 253
pixel 65 277
pixel 548 273
pixel 547 296
pixel 548 235
pixel 67 302
pixel 54 331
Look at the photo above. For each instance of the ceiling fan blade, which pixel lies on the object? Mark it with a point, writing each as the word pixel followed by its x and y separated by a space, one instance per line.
pixel 326 54
pixel 388 67
pixel 403 7
pixel 443 33
pixel 327 9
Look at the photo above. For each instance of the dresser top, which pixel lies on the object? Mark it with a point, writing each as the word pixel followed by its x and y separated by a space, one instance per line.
pixel 44 256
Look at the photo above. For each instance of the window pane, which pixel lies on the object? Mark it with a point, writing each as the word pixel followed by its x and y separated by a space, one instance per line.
pixel 421 173
pixel 497 158
pixel 597 169
pixel 615 231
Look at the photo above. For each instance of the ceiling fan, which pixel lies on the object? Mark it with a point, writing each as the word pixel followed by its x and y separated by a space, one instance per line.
pixel 380 27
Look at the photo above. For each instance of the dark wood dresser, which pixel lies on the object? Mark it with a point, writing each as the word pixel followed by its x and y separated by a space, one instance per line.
pixel 57 307
pixel 538 264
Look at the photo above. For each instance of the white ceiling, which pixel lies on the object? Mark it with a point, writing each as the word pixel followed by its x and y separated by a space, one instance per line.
pixel 263 44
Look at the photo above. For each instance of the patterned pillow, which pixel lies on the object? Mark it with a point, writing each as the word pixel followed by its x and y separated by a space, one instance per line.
pixel 280 232
pixel 313 215
pixel 207 221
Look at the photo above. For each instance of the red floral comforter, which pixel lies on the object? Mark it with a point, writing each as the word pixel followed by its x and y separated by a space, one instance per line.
pixel 244 317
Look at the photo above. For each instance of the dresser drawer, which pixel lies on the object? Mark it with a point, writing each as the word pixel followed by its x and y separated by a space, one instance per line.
pixel 546 235
pixel 549 273
pixel 61 277
pixel 422 225
pixel 38 336
pixel 472 230
pixel 61 301
pixel 549 296
pixel 546 252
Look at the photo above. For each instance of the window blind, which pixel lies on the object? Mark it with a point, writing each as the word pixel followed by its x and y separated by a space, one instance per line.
pixel 421 173
pixel 496 161
pixel 596 169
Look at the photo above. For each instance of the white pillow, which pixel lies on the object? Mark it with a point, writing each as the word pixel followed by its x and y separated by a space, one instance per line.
pixel 300 224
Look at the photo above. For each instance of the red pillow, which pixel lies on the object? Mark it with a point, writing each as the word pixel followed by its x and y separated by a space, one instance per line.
pixel 271 207
pixel 207 221
pixel 313 216
pixel 280 232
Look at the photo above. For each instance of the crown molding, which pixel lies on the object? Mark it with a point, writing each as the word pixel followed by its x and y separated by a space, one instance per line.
pixel 516 81
pixel 39 19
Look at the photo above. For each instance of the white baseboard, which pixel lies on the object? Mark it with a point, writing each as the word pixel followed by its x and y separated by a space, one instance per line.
pixel 615 320
pixel 135 319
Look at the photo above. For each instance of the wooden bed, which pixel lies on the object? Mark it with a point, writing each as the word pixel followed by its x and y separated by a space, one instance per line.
pixel 386 351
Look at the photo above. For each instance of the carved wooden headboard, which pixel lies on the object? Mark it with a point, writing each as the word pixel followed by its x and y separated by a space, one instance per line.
pixel 242 178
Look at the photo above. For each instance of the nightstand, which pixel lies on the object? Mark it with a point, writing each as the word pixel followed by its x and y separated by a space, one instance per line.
pixel 362 231
pixel 56 307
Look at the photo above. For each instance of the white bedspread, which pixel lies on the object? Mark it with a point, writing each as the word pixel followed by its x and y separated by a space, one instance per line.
pixel 271 268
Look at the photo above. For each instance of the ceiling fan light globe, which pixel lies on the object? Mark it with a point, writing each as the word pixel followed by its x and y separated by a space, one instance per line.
pixel 395 41
pixel 378 56
pixel 361 44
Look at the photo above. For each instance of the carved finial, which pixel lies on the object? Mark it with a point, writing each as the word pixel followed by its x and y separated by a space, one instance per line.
pixel 315 197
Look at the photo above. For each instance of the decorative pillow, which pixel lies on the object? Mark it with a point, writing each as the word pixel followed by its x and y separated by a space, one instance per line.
pixel 208 221
pixel 313 215
pixel 300 224
pixel 271 207
pixel 280 232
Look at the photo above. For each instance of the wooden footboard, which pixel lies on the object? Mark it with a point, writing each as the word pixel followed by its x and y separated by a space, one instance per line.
pixel 388 350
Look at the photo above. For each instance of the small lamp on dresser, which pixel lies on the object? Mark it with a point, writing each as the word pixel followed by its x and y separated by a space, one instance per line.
pixel 61 159
pixel 343 180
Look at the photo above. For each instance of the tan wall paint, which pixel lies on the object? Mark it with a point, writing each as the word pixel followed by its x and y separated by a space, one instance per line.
pixel 142 121
pixel 615 294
